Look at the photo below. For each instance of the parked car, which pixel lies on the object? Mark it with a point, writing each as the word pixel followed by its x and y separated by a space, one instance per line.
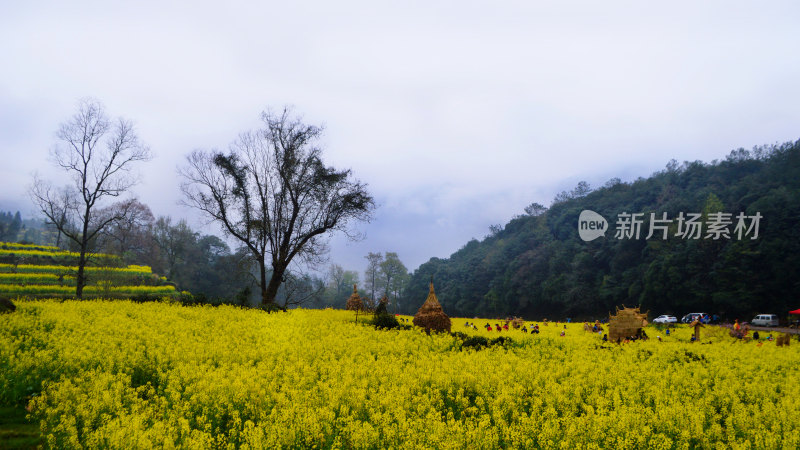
pixel 691 317
pixel 765 320
pixel 665 319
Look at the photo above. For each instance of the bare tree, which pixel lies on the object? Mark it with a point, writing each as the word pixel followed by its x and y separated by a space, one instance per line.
pixel 97 153
pixel 336 275
pixel 371 275
pixel 61 222
pixel 273 193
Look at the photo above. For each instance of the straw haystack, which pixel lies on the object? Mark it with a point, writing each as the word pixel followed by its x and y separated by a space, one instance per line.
pixel 516 322
pixel 431 316
pixel 626 323
pixel 354 303
pixel 696 325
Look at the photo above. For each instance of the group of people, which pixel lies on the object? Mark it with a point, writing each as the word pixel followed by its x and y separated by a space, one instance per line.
pixel 497 327
pixel 534 329
pixel 596 328
pixel 738 331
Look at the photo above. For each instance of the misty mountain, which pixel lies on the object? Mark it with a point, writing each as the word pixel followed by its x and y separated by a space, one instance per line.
pixel 538 266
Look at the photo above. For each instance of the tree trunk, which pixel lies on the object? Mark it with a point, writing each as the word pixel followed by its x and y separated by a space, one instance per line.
pixel 80 280
pixel 263 284
pixel 270 290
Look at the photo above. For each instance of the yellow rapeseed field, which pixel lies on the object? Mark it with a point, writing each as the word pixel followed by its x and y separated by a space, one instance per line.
pixel 159 375
pixel 41 268
pixel 49 251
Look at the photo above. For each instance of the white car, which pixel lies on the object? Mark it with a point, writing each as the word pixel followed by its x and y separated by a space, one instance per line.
pixel 765 320
pixel 665 319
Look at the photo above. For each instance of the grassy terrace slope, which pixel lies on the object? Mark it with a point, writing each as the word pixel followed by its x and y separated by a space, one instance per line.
pixel 120 374
pixel 42 271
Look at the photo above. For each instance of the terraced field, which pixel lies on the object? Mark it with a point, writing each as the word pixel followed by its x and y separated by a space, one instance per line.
pixel 38 271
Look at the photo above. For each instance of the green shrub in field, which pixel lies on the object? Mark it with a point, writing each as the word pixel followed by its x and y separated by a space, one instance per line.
pixel 386 321
pixel 6 306
pixel 382 319
pixel 479 342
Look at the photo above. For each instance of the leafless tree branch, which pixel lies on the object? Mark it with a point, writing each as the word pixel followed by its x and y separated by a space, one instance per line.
pixel 273 193
pixel 97 155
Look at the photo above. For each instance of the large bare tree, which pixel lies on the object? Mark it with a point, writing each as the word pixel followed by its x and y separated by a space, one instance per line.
pixel 97 153
pixel 273 193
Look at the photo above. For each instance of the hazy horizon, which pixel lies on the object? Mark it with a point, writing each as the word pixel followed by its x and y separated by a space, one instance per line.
pixel 457 115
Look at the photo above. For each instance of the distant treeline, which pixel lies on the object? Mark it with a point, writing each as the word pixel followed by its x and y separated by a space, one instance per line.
pixel 201 264
pixel 13 228
pixel 538 266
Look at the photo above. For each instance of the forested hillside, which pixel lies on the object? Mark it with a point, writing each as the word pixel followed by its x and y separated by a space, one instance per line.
pixel 537 265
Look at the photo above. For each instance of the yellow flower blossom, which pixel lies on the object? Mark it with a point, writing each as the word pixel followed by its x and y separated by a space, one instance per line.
pixel 116 374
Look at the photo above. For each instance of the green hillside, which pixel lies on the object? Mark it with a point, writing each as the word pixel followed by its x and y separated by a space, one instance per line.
pixel 44 271
pixel 537 265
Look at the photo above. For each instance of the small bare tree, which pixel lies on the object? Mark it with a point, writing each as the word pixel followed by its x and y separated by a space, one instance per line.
pixel 97 153
pixel 273 193
pixel 371 277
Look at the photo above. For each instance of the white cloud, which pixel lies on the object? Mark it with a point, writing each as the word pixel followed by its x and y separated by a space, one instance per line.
pixel 458 114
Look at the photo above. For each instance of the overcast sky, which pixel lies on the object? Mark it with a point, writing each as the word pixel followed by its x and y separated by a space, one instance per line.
pixel 457 114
